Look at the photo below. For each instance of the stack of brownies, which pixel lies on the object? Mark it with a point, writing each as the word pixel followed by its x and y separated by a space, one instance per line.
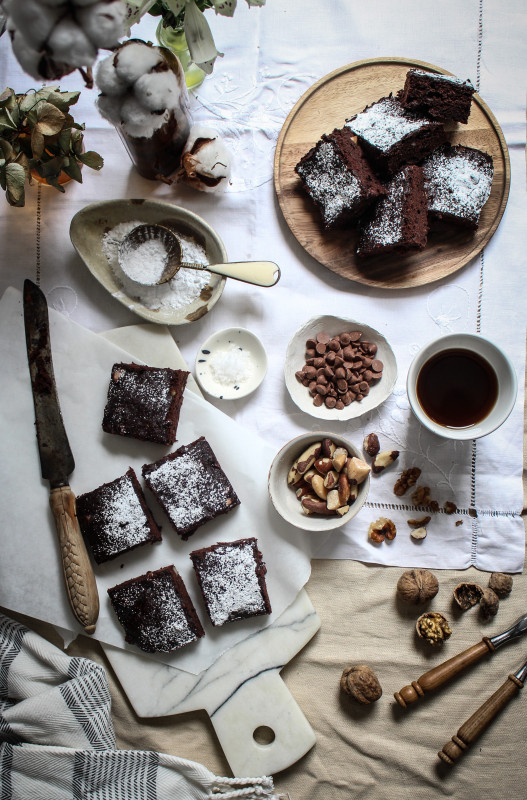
pixel 391 170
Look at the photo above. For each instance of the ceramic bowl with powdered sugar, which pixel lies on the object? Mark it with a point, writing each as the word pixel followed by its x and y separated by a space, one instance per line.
pixel 97 231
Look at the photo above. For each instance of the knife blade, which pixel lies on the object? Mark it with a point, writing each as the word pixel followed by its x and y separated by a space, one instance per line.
pixel 56 460
pixel 439 675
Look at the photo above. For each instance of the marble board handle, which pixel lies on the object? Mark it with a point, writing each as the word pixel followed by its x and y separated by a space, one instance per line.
pixel 262 705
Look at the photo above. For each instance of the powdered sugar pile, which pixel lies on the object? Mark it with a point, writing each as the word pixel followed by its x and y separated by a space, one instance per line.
pixel 185 287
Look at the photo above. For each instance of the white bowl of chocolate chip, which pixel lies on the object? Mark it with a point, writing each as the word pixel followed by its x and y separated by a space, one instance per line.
pixel 338 369
pixel 318 481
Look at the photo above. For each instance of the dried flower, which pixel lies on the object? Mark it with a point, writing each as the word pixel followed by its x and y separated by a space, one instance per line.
pixel 38 134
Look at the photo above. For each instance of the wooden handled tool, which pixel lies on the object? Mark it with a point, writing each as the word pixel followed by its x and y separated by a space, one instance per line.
pixel 448 669
pixel 476 724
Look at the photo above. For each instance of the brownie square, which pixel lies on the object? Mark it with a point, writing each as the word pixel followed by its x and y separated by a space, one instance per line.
pixel 191 486
pixel 399 221
pixel 144 402
pixel 338 178
pixel 114 518
pixel 458 182
pixel 443 97
pixel 393 137
pixel 156 611
pixel 231 576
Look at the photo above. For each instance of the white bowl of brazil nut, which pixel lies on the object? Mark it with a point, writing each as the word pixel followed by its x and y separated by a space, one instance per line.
pixel 379 389
pixel 283 494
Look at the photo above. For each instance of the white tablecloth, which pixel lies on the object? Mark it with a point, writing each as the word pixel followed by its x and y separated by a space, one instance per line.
pixel 272 55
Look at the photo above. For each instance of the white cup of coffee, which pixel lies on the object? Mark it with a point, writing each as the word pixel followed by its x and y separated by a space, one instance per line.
pixel 461 386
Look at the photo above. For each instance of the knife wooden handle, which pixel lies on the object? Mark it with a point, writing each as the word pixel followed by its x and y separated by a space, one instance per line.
pixel 443 672
pixel 76 565
pixel 476 724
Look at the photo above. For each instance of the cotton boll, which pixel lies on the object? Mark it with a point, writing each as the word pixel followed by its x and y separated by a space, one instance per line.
pixel 158 90
pixel 139 121
pixel 34 21
pixel 28 58
pixel 70 44
pixel 109 108
pixel 206 162
pixel 107 79
pixel 103 23
pixel 135 59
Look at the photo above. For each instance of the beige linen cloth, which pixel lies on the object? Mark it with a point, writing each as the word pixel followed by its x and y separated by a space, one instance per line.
pixel 377 752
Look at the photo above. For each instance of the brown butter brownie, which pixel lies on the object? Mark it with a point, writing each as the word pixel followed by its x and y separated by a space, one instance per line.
pixel 156 611
pixel 114 518
pixel 191 486
pixel 337 177
pixel 393 137
pixel 443 97
pixel 231 576
pixel 144 402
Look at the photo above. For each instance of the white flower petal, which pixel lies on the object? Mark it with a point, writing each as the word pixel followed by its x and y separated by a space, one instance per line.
pixel 224 7
pixel 199 38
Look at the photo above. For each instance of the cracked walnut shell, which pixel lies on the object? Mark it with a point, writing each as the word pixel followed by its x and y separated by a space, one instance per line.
pixel 417 586
pixel 467 595
pixel 361 683
pixel 433 627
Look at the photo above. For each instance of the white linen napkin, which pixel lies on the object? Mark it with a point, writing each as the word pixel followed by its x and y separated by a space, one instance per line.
pixel 57 739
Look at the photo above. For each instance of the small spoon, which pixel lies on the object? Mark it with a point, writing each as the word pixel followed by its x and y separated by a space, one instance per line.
pixel 260 273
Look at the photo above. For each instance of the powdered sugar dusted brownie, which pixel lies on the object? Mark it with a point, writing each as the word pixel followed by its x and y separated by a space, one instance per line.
pixel 114 518
pixel 191 486
pixel 156 611
pixel 458 182
pixel 443 97
pixel 338 178
pixel 399 221
pixel 144 402
pixel 231 576
pixel 393 137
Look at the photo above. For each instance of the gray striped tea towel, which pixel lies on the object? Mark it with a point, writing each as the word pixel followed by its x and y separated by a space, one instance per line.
pixel 57 740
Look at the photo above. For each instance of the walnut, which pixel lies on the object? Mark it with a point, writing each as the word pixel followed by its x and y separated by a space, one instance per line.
pixel 361 683
pixel 433 627
pixel 450 508
pixel 467 595
pixel 407 478
pixel 501 583
pixel 417 586
pixel 382 529
pixel 489 604
pixel 421 496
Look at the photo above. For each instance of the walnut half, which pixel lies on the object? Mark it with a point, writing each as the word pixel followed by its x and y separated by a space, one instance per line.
pixel 382 529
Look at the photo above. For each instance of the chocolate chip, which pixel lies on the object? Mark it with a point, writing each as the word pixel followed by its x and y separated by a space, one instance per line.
pixel 323 337
pixel 376 365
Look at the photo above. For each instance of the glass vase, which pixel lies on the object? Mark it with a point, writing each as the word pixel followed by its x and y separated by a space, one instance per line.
pixel 174 39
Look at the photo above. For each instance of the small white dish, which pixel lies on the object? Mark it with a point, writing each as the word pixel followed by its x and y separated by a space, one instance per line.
pixel 230 364
pixel 89 225
pixel 496 358
pixel 295 360
pixel 283 497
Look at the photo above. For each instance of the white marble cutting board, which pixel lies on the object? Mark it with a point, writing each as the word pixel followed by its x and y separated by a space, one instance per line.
pixel 242 690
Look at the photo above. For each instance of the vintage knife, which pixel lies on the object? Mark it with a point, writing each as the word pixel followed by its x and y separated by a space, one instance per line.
pixel 439 675
pixel 56 461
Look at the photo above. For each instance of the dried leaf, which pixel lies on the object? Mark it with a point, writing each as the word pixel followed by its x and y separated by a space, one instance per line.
pixel 91 159
pixel 50 119
pixel 72 169
pixel 63 100
pixel 37 142
pixel 15 183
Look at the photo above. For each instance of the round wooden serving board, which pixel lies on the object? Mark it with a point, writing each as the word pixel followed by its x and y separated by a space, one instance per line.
pixel 327 105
